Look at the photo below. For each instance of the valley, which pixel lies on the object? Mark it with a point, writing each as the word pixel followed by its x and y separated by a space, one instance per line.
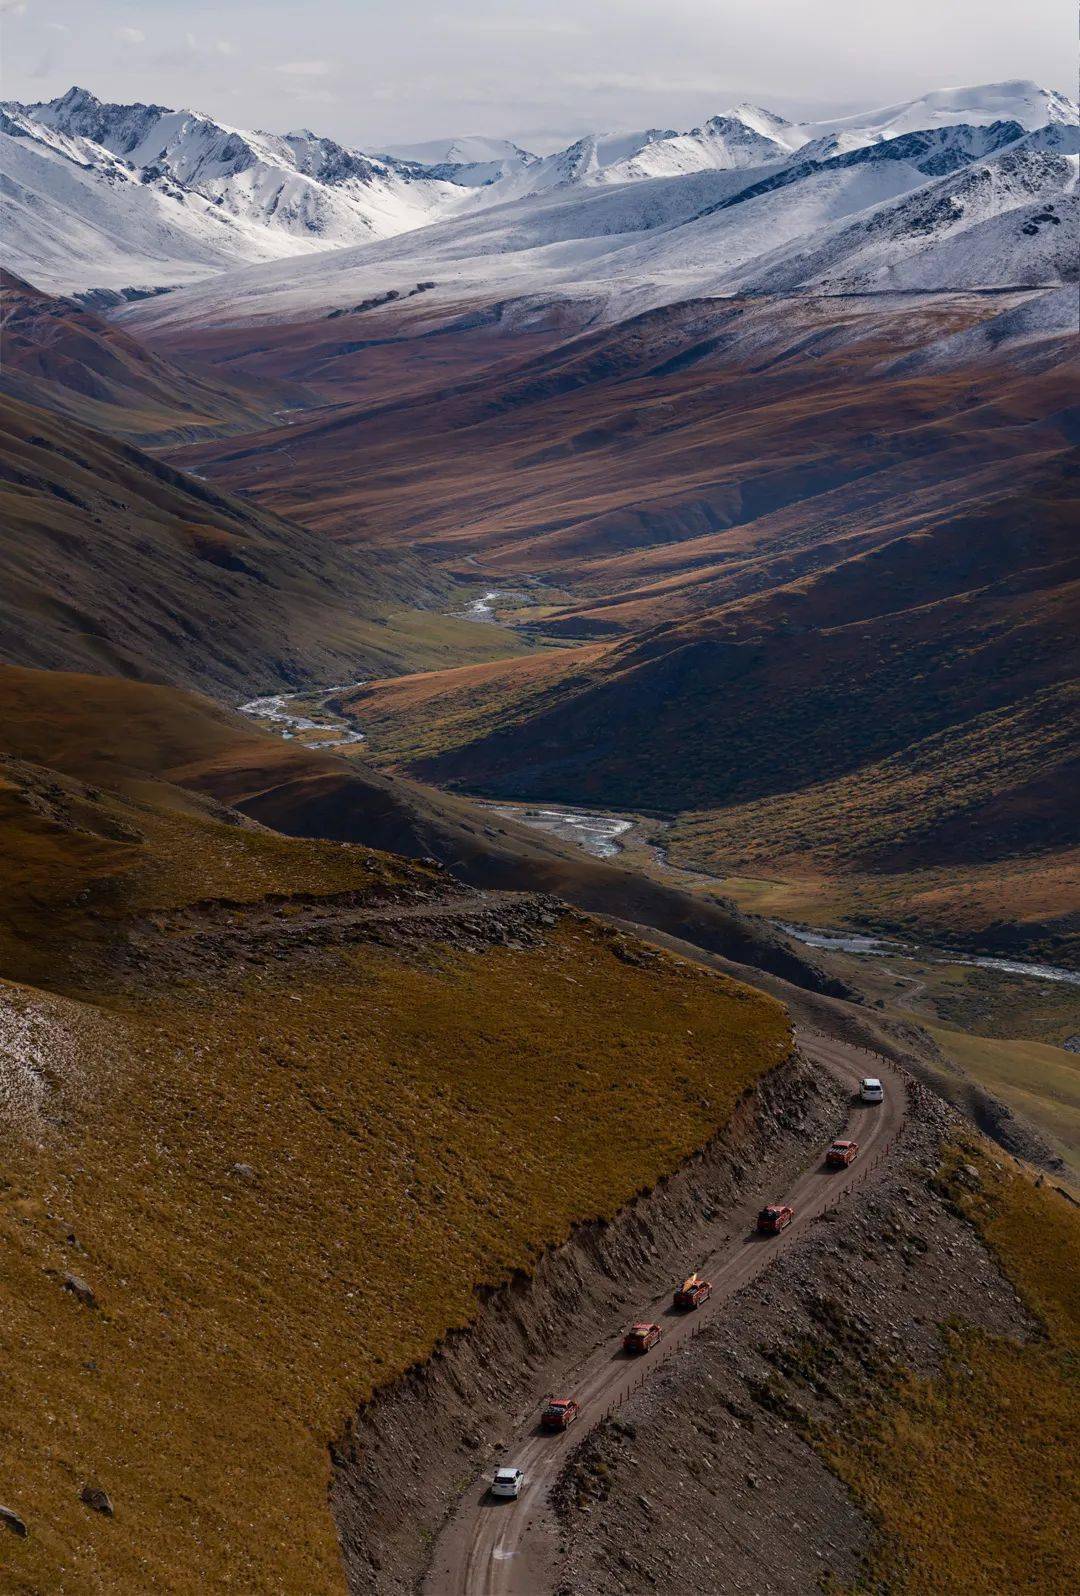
pixel 538 693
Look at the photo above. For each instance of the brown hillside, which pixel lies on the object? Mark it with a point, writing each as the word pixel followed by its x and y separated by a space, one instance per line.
pixel 111 560
pixel 189 757
pixel 276 1111
pixel 61 356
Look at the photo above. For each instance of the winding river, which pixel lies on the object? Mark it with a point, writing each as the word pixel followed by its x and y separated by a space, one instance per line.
pixel 600 834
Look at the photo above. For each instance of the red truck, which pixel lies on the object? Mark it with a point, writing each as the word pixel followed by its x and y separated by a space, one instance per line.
pixel 559 1413
pixel 774 1218
pixel 841 1154
pixel 692 1293
pixel 641 1337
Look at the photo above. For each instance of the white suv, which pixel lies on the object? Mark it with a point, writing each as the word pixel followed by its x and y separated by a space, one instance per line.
pixel 871 1090
pixel 507 1482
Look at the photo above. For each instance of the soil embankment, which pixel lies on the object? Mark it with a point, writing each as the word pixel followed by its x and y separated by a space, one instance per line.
pixel 425 1438
pixel 733 1469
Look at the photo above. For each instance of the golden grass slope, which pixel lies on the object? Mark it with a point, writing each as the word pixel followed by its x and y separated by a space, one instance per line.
pixel 415 1128
pixel 283 1178
pixel 970 1475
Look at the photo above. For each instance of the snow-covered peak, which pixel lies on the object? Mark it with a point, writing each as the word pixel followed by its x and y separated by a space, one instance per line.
pixel 1018 100
pixel 469 161
pixel 766 123
pixel 465 150
pixel 119 196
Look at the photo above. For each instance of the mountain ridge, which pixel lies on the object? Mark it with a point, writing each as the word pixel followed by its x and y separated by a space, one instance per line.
pixel 139 197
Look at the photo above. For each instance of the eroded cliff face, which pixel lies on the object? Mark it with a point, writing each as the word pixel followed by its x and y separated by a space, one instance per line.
pixel 747 1465
pixel 408 1455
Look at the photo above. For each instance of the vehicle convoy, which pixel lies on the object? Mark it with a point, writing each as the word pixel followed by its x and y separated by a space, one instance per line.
pixel 692 1293
pixel 774 1218
pixel 841 1154
pixel 871 1090
pixel 559 1413
pixel 641 1337
pixel 507 1482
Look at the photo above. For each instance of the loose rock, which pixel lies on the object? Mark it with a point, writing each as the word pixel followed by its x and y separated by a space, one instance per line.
pixel 78 1288
pixel 98 1499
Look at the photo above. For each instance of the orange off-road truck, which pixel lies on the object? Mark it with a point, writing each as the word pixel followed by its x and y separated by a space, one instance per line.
pixel 692 1293
pixel 774 1218
pixel 559 1413
pixel 641 1337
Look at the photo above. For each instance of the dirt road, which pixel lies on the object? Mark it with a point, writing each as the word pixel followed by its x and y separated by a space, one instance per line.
pixel 509 1548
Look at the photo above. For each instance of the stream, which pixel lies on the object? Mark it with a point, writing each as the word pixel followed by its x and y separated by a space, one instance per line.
pixel 599 834
pixel 483 608
pixel 287 724
pixel 594 834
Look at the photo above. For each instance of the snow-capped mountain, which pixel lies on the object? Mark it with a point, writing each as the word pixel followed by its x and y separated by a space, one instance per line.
pixel 954 207
pixel 1013 219
pixel 1018 100
pixel 114 196
pixel 471 161
pixel 139 196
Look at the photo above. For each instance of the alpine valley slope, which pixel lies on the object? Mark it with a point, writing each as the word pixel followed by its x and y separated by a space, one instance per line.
pixel 262 1145
pixel 803 550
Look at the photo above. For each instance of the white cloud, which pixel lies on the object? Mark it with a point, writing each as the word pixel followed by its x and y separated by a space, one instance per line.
pixel 310 94
pixel 13 8
pixel 129 35
pixel 197 47
pixel 58 27
pixel 305 69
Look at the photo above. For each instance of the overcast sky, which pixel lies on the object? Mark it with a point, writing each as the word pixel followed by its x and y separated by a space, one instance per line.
pixel 372 72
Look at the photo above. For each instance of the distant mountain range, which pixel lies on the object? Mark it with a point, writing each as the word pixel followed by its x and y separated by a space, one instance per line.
pixel 122 200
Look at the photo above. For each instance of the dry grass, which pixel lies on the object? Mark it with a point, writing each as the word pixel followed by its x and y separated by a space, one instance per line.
pixel 970 1475
pixel 416 1124
pixel 415 1128
pixel 1034 1079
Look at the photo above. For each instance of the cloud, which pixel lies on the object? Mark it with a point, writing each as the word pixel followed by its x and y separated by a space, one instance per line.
pixel 58 27
pixel 13 8
pixel 129 35
pixel 308 93
pixel 305 69
pixel 519 27
pixel 198 47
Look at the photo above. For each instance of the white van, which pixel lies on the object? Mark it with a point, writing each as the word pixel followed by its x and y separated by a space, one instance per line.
pixel 871 1090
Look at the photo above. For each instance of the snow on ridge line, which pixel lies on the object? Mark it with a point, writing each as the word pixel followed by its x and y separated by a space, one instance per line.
pixel 141 197
pixel 954 208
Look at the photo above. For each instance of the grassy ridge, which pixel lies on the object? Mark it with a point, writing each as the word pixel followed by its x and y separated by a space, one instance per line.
pixel 282 1170
pixel 967 1474
pixel 414 1128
